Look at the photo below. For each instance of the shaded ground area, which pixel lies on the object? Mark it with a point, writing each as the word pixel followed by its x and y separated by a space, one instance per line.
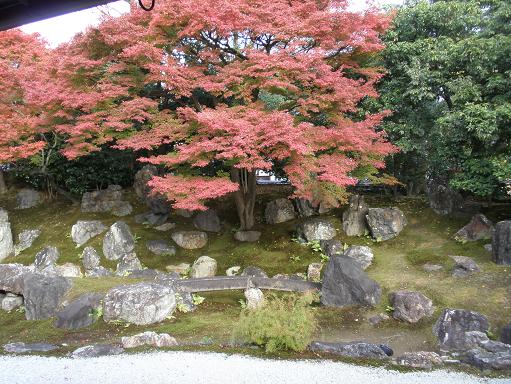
pixel 397 265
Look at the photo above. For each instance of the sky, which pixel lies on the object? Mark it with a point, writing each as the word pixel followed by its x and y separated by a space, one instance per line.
pixel 60 29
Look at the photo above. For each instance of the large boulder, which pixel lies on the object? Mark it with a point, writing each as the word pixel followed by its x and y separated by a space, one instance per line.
pixel 411 306
pixel 25 240
pixel 43 295
pixel 11 277
pixel 479 228
pixel 304 208
pixel 106 200
pixel 27 198
pixel 46 259
pixel 83 231
pixel 157 203
pixel 356 349
pixel 354 218
pixel 190 239
pixel 501 243
pixel 361 254
pixel 207 221
pixel 279 211
pixel 453 324
pixel 204 266
pixel 385 223
pixel 118 241
pixel 128 264
pixel 140 304
pixel 315 230
pixel 6 243
pixel 345 283
pixel 464 266
pixel 442 199
pixel 80 313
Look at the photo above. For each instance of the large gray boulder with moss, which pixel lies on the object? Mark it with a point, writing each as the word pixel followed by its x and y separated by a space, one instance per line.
pixel 83 231
pixel 452 327
pixel 385 223
pixel 11 277
pixel 354 218
pixel 362 254
pixel 479 228
pixel 356 349
pixel 140 304
pixel 25 240
pixel 501 243
pixel 279 211
pixel 345 284
pixel 46 259
pixel 6 243
pixel 411 306
pixel 190 239
pixel 118 241
pixel 207 221
pixel 204 266
pixel 43 295
pixel 315 230
pixel 81 312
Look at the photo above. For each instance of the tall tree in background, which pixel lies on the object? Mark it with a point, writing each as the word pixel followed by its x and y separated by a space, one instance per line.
pixel 449 85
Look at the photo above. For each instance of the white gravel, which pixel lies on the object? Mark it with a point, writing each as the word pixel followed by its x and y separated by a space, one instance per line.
pixel 211 368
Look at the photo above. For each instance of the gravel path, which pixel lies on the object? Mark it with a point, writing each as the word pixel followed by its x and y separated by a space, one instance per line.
pixel 211 368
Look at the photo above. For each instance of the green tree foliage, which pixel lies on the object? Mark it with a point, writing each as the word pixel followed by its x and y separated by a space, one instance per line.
pixel 449 85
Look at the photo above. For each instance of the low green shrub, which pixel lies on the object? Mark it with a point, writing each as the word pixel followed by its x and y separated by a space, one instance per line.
pixel 283 323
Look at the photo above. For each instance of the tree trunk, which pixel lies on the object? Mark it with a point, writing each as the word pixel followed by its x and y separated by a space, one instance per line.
pixel 245 196
pixel 3 187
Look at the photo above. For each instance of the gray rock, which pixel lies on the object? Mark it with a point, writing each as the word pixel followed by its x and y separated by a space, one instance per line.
pixel 165 227
pixel 141 304
pixel 442 199
pixel 122 208
pixel 204 266
pixel 90 258
pixel 253 272
pixel 315 230
pixel 428 267
pixel 151 218
pixel 279 211
pixel 29 348
pixel 474 339
pixel 181 269
pixel 385 223
pixel 361 254
pixel 411 306
pixel 128 264
pixel 11 301
pixel 479 228
pixel 464 266
pixel 43 295
pixel 45 260
pixel 505 334
pixel 304 208
pixel 25 240
pixel 501 243
pixel 149 338
pixel 332 247
pixel 354 218
pixel 80 313
pixel 233 271
pixel 358 350
pixel 156 202
pixel 247 236
pixel 488 248
pixel 146 273
pixel 68 270
pixel 6 242
pixel 12 276
pixel 314 272
pixel 419 360
pixel 102 201
pixel 27 198
pixel 485 360
pixel 345 283
pixel 207 221
pixel 190 239
pixel 97 350
pixel 379 318
pixel 160 247
pixel 451 326
pixel 254 297
pixel 98 272
pixel 118 241
pixel 83 231
pixel 325 207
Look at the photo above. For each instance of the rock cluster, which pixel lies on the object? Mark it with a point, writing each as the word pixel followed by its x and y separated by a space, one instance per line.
pixel 106 200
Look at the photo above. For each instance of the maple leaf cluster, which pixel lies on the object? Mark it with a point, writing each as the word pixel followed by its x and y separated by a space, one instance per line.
pixel 191 77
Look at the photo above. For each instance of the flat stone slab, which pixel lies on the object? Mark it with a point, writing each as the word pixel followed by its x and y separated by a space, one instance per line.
pixel 29 348
pixel 353 349
pixel 97 350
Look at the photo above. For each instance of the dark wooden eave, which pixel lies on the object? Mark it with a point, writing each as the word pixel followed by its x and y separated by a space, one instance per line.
pixel 14 13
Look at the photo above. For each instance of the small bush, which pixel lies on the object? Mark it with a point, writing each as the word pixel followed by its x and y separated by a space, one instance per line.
pixel 285 323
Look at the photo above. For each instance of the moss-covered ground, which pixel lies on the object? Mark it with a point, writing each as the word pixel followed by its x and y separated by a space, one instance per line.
pixel 397 265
